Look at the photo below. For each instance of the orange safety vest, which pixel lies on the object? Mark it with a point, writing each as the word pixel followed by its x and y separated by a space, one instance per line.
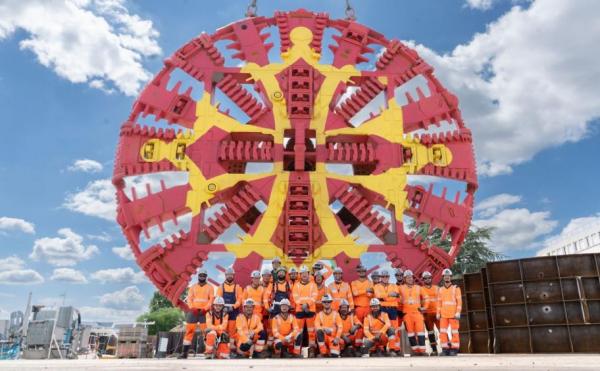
pixel 244 325
pixel 411 298
pixel 255 294
pixel 331 321
pixel 305 294
pixel 359 291
pixel 449 301
pixel 284 327
pixel 430 295
pixel 348 322
pixel 201 297
pixel 217 323
pixel 382 292
pixel 374 326
pixel 339 291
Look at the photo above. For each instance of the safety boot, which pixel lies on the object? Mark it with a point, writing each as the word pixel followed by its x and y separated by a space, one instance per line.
pixel 184 353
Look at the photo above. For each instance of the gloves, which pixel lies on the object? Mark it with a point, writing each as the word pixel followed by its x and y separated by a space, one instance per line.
pixel 438 317
pixel 347 340
pixel 224 337
pixel 227 309
pixel 421 309
pixel 457 316
pixel 353 329
pixel 305 308
pixel 377 337
pixel 328 331
pixel 288 338
pixel 336 341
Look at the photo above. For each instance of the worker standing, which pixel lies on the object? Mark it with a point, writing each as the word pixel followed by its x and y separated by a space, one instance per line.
pixel 275 265
pixel 448 313
pixel 362 292
pixel 375 277
pixel 321 268
pixel 250 331
pixel 281 289
pixel 378 332
pixel 305 297
pixel 232 294
pixel 267 278
pixel 412 305
pixel 255 291
pixel 399 274
pixel 340 290
pixel 328 325
pixel 293 276
pixel 287 334
pixel 388 295
pixel 352 333
pixel 321 290
pixel 199 300
pixel 216 331
pixel 430 297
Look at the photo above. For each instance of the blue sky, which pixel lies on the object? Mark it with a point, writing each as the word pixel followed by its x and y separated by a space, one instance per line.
pixel 526 73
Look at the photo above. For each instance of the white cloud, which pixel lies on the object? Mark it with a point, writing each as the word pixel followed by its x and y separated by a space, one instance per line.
pixel 16 224
pixel 68 275
pixel 480 4
pixel 86 165
pixel 20 277
pixel 84 41
pixel 530 82
pixel 119 275
pixel 517 229
pixel 102 314
pixel 12 262
pixel 130 298
pixel 66 250
pixel 96 199
pixel 492 205
pixel 13 272
pixel 104 237
pixel 124 252
pixel 573 227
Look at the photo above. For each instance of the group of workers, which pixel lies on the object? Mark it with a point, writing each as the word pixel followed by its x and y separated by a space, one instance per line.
pixel 281 310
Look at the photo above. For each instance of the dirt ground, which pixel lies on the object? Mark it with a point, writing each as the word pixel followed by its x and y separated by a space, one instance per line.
pixel 570 362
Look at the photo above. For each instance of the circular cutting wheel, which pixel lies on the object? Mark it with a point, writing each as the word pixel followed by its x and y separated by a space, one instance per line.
pixel 298 136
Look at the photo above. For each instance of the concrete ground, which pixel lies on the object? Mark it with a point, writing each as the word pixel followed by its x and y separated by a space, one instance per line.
pixel 570 362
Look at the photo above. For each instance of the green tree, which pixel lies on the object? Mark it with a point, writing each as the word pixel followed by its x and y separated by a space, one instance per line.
pixel 475 252
pixel 162 313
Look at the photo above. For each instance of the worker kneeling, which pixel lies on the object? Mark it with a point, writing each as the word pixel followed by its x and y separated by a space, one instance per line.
pixel 329 329
pixel 250 332
pixel 352 333
pixel 216 331
pixel 287 334
pixel 379 334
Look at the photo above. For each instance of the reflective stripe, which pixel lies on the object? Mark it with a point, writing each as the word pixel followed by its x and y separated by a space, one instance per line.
pixel 409 334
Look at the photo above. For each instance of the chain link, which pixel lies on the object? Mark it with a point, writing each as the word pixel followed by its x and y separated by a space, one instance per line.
pixel 350 13
pixel 252 9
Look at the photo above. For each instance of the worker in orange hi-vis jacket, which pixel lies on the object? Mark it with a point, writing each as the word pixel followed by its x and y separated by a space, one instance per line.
pixel 340 290
pixel 293 276
pixel 267 284
pixel 250 332
pixel 321 268
pixel 389 295
pixel 305 297
pixel 399 274
pixel 362 292
pixel 216 331
pixel 375 277
pixel 430 297
pixel 199 300
pixel 287 334
pixel 378 332
pixel 321 290
pixel 352 333
pixel 275 265
pixel 255 291
pixel 448 313
pixel 413 305
pixel 329 326
pixel 267 278
pixel 232 294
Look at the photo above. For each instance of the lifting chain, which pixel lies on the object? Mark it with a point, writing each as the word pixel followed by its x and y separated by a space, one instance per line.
pixel 252 9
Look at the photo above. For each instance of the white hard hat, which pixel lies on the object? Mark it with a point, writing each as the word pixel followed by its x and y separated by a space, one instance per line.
pixel 344 302
pixel 266 272
pixel 326 298
pixel 384 273
pixel 293 270
pixel 407 273
pixel 303 269
pixel 446 272
pixel 219 300
pixel 285 302
pixel 202 271
pixel 425 274
pixel 375 273
pixel 229 271
pixel 255 274
pixel 399 271
pixel 249 302
pixel 338 270
pixel 374 302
